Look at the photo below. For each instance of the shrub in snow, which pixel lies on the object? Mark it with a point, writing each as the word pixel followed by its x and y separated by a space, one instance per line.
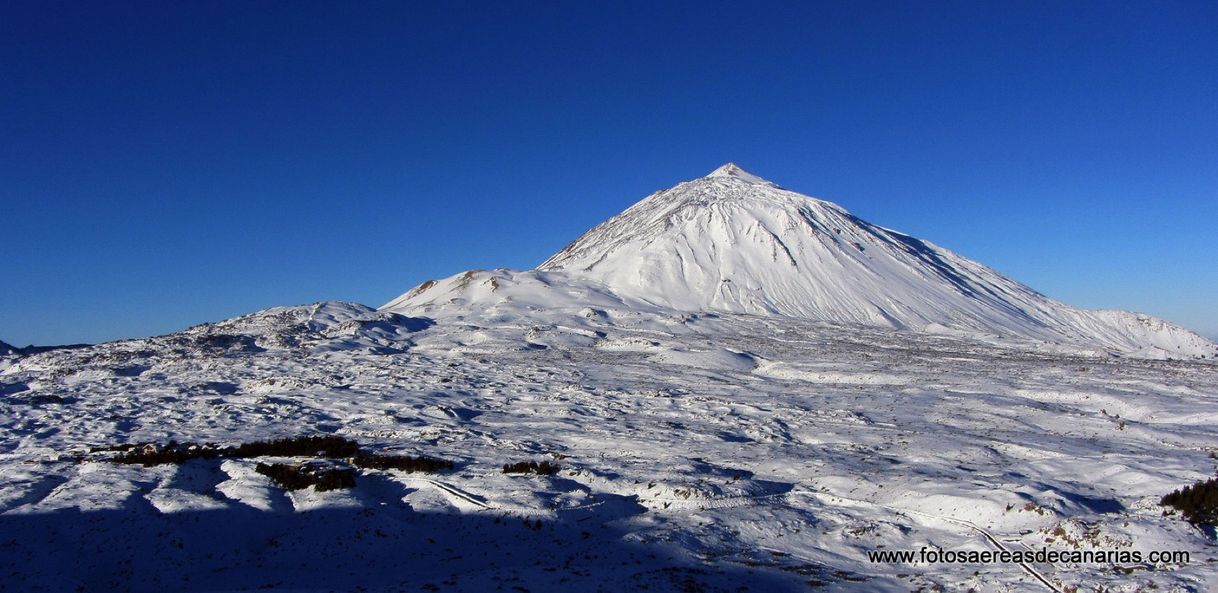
pixel 1197 503
pixel 148 454
pixel 323 446
pixel 544 468
pixel 300 476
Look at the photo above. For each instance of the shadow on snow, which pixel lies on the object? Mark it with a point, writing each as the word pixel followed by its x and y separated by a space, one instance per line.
pixel 372 546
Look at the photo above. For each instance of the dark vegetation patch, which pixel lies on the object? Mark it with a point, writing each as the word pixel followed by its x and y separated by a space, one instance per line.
pixel 401 462
pixel 1198 504
pixel 321 446
pixel 290 476
pixel 295 476
pixel 298 476
pixel 544 468
pixel 148 454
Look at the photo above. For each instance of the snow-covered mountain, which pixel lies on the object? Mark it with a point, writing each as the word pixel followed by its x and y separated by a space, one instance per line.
pixel 734 242
pixel 735 388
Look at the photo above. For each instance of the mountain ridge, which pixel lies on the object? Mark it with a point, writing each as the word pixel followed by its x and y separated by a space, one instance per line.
pixel 734 242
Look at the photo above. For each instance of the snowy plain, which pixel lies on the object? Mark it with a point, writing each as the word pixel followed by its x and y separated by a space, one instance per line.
pixel 719 446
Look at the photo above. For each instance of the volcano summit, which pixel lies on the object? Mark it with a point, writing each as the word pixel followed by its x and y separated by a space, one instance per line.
pixel 733 242
pixel 728 387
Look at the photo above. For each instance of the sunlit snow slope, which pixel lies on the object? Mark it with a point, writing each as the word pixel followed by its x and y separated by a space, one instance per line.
pixel 733 242
pixel 823 414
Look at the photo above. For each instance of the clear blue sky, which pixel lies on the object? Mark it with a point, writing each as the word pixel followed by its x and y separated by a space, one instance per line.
pixel 168 163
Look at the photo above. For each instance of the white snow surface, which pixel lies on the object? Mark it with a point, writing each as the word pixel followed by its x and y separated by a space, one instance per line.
pixel 733 242
pixel 710 439
pixel 699 451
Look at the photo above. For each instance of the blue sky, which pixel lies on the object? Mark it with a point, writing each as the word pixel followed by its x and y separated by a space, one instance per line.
pixel 168 163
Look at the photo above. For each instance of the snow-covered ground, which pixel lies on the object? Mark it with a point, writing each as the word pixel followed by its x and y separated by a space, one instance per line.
pixel 700 452
pixel 746 389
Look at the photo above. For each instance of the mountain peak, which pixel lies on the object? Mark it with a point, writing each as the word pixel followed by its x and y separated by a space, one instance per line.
pixel 733 242
pixel 734 170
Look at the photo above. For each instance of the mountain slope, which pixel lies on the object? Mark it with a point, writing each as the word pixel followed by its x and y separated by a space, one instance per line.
pixel 764 449
pixel 733 242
